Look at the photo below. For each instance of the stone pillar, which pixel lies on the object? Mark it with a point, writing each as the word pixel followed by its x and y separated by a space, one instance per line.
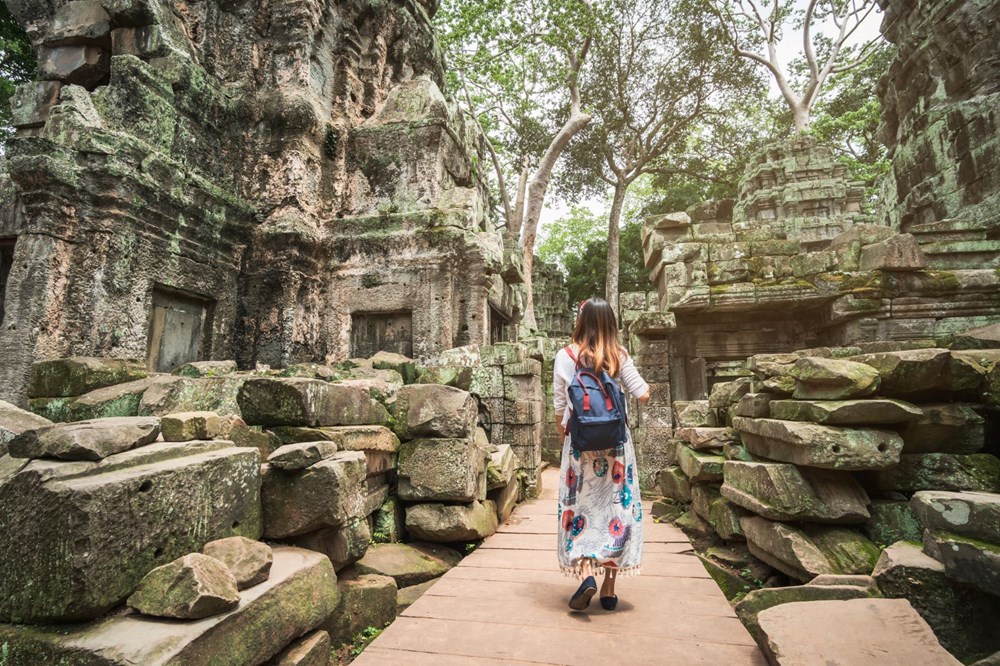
pixel 652 424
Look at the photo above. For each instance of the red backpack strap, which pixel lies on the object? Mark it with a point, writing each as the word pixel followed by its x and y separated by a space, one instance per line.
pixel 572 356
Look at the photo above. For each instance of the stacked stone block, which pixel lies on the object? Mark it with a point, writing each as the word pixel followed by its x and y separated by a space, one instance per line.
pixel 849 454
pixel 553 312
pixel 509 385
pixel 327 460
pixel 651 424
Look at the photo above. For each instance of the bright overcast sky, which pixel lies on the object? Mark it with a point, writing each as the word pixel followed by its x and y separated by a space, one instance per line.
pixel 788 49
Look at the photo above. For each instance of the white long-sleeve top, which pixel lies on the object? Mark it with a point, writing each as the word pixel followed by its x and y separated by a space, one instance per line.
pixel 564 369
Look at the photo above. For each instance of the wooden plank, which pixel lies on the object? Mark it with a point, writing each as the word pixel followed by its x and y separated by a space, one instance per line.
pixel 506 603
pixel 643 584
pixel 375 656
pixel 580 645
pixel 521 593
pixel 654 564
pixel 639 615
pixel 547 542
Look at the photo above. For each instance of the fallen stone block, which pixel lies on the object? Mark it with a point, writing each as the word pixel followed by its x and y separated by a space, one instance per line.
pixel 14 421
pixel 171 394
pixel 706 438
pixel 300 594
pixel 716 511
pixel 502 353
pixel 698 466
pixel 940 471
pixel 786 492
pixel 898 253
pixel 909 371
pixel 347 438
pixel 449 470
pixel 430 410
pixel 674 484
pixel 190 426
pixel 832 379
pixel 445 523
pixel 344 544
pixel 326 494
pixel 367 600
pixel 110 401
pixel 726 393
pixel 810 550
pixel 408 564
pixel 299 456
pixel 408 595
pixel 80 374
pixel 968 560
pixel 887 632
pixel 760 600
pixel 871 411
pixel 501 468
pixel 892 521
pixel 79 22
pixel 190 588
pixel 694 414
pixel 311 650
pixel 971 514
pixel 812 445
pixel 406 367
pixel 307 402
pixel 967 622
pixel 125 515
pixel 206 369
pixel 754 405
pixel 505 499
pixel 249 561
pixel 945 428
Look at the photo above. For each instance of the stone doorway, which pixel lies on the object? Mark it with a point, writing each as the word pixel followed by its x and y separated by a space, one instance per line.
pixel 6 262
pixel 372 332
pixel 179 330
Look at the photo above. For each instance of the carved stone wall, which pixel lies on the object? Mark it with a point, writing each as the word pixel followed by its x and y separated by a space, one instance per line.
pixel 289 166
pixel 942 126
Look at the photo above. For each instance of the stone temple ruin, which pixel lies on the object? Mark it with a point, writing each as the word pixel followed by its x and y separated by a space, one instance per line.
pixel 825 396
pixel 258 343
pixel 269 184
pixel 197 194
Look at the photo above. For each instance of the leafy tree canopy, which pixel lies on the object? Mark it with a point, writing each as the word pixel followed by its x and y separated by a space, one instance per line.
pixel 17 65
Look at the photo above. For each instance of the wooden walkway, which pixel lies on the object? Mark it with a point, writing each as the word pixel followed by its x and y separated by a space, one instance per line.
pixel 506 604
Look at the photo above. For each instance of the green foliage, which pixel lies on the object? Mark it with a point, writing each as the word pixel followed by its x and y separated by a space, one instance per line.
pixel 17 65
pixel 509 62
pixel 848 116
pixel 587 273
pixel 363 639
pixel 571 235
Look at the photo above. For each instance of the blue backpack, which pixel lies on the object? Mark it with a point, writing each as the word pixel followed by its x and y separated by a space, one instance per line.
pixel 598 420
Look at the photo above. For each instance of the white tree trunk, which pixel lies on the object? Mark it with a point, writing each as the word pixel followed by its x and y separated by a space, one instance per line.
pixel 535 198
pixel 614 228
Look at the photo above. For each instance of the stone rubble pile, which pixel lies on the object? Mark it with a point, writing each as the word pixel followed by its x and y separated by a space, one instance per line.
pixel 360 476
pixel 832 462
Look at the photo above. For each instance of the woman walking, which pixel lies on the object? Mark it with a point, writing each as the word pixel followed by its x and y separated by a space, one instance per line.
pixel 600 514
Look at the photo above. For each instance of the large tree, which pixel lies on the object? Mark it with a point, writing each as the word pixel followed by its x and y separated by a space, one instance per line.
pixel 518 65
pixel 659 78
pixel 830 41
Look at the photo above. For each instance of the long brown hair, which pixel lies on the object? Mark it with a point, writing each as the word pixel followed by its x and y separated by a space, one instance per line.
pixel 596 334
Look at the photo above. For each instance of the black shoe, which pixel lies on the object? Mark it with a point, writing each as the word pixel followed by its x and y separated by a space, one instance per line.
pixel 581 598
pixel 609 603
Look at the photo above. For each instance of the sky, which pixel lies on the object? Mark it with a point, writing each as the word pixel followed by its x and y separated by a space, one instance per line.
pixel 789 48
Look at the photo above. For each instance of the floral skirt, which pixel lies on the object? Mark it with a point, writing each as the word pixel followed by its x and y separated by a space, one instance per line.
pixel 600 513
